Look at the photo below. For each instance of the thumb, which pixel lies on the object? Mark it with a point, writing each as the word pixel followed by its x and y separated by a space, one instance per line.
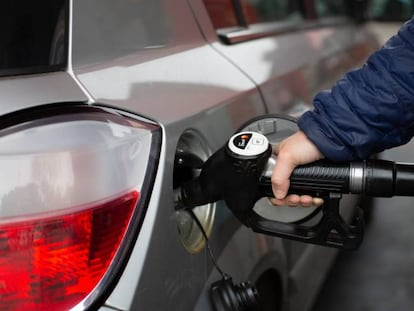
pixel 280 176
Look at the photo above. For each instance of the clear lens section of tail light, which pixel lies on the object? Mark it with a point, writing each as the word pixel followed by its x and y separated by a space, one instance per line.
pixel 70 190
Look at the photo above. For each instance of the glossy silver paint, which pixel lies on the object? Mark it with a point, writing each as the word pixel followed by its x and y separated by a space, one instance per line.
pixel 173 76
pixel 29 91
pixel 162 59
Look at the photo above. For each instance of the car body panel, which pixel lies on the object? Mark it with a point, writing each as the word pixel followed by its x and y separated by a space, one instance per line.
pixel 23 92
pixel 289 68
pixel 162 60
pixel 176 72
pixel 237 258
pixel 175 85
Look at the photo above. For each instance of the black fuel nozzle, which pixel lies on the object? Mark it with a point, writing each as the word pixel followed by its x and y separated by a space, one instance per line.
pixel 230 174
pixel 240 174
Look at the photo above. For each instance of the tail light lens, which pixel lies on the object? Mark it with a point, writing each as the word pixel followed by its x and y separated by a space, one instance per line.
pixel 71 188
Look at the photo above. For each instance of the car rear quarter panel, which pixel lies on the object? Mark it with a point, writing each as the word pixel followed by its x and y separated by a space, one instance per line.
pixel 156 63
pixel 22 92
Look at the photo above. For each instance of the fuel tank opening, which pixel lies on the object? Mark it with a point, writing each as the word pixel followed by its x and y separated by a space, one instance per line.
pixel 192 151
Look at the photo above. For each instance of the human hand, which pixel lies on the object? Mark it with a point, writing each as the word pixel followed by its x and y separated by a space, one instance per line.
pixel 293 151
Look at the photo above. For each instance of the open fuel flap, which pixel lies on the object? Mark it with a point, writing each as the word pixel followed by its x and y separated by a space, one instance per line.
pixel 191 153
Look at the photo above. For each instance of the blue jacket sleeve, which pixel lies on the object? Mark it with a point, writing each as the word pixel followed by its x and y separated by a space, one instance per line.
pixel 370 109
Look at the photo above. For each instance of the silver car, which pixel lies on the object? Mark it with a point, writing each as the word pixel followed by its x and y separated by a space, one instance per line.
pixel 107 107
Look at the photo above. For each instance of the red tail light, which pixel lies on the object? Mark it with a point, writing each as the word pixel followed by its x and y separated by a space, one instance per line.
pixel 58 238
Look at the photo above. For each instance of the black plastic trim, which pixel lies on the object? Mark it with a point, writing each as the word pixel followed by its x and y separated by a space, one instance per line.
pixel 41 112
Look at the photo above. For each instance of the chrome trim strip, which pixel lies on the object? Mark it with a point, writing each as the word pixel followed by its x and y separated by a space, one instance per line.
pixel 254 31
pixel 357 177
pixel 267 172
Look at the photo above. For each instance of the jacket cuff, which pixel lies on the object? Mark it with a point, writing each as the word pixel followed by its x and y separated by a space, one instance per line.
pixel 330 146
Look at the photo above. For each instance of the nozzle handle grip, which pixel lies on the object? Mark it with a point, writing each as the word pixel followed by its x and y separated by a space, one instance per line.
pixel 321 176
pixel 314 179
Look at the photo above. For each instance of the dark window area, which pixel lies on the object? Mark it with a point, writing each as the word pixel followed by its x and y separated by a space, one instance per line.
pixel 241 13
pixel 259 11
pixel 32 36
pixel 331 8
pixel 222 13
pixel 392 10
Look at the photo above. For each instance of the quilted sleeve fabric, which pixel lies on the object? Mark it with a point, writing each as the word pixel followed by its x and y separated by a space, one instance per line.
pixel 370 109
